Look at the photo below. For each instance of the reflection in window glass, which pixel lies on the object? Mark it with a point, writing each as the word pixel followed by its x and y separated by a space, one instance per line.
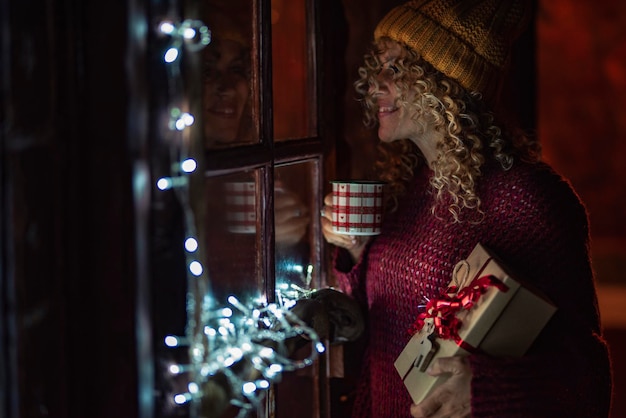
pixel 231 229
pixel 297 270
pixel 293 207
pixel 294 95
pixel 228 97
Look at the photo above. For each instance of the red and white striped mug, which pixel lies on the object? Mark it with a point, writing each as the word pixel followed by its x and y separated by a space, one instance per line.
pixel 357 207
pixel 241 206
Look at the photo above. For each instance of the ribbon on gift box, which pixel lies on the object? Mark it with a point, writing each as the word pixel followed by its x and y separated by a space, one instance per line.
pixel 443 310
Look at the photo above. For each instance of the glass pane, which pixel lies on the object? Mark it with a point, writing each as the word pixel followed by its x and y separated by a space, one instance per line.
pixel 295 247
pixel 292 71
pixel 232 235
pixel 297 270
pixel 229 100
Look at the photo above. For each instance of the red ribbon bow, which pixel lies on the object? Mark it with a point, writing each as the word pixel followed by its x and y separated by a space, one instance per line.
pixel 444 309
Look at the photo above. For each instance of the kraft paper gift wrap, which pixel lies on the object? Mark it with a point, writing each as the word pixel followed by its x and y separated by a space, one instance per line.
pixel 486 308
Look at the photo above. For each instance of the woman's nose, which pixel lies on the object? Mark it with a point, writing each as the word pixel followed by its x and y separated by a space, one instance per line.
pixel 225 82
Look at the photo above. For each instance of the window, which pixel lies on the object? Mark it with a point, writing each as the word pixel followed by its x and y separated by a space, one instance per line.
pixel 251 211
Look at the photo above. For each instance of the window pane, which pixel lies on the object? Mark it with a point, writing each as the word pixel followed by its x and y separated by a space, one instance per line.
pixel 229 100
pixel 232 233
pixel 297 270
pixel 296 261
pixel 292 71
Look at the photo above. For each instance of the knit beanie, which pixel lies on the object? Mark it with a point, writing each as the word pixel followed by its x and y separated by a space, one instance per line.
pixel 467 40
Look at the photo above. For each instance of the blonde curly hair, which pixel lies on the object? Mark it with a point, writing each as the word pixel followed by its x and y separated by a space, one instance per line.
pixel 471 134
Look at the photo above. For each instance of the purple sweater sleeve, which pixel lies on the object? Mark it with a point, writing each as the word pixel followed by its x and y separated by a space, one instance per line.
pixel 350 276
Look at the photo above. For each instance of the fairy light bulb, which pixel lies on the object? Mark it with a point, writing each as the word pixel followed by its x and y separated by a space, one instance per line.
pixel 189 165
pixel 184 120
pixel 187 118
pixel 210 331
pixel 164 183
pixel 180 124
pixel 249 388
pixel 174 341
pixel 191 244
pixel 167 28
pixel 182 398
pixel 170 55
pixel 195 268
pixel 189 33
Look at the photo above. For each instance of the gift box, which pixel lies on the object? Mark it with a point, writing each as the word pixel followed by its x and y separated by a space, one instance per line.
pixel 486 309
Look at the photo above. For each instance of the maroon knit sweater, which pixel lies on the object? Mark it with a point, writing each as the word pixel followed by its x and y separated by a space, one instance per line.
pixel 537 225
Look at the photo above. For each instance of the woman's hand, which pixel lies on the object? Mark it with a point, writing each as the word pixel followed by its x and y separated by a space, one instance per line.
pixel 291 217
pixel 452 399
pixel 354 244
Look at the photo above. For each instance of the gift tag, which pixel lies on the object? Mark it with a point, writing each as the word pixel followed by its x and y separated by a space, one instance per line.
pixel 428 347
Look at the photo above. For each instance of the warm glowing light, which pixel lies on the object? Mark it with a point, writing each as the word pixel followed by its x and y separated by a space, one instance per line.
pixel 263 384
pixel 191 244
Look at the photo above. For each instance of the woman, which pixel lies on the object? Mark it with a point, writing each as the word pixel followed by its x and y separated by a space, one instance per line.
pixel 227 107
pixel 457 176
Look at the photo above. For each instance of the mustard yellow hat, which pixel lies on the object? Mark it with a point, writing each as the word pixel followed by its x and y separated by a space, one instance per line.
pixel 467 40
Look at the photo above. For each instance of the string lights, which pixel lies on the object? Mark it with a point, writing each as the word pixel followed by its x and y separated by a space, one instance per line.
pixel 248 345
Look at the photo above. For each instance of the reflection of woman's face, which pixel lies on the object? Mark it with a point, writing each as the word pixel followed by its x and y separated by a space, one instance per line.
pixel 226 91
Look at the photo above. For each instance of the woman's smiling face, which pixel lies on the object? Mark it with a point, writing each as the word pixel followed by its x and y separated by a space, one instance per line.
pixel 395 120
pixel 226 91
